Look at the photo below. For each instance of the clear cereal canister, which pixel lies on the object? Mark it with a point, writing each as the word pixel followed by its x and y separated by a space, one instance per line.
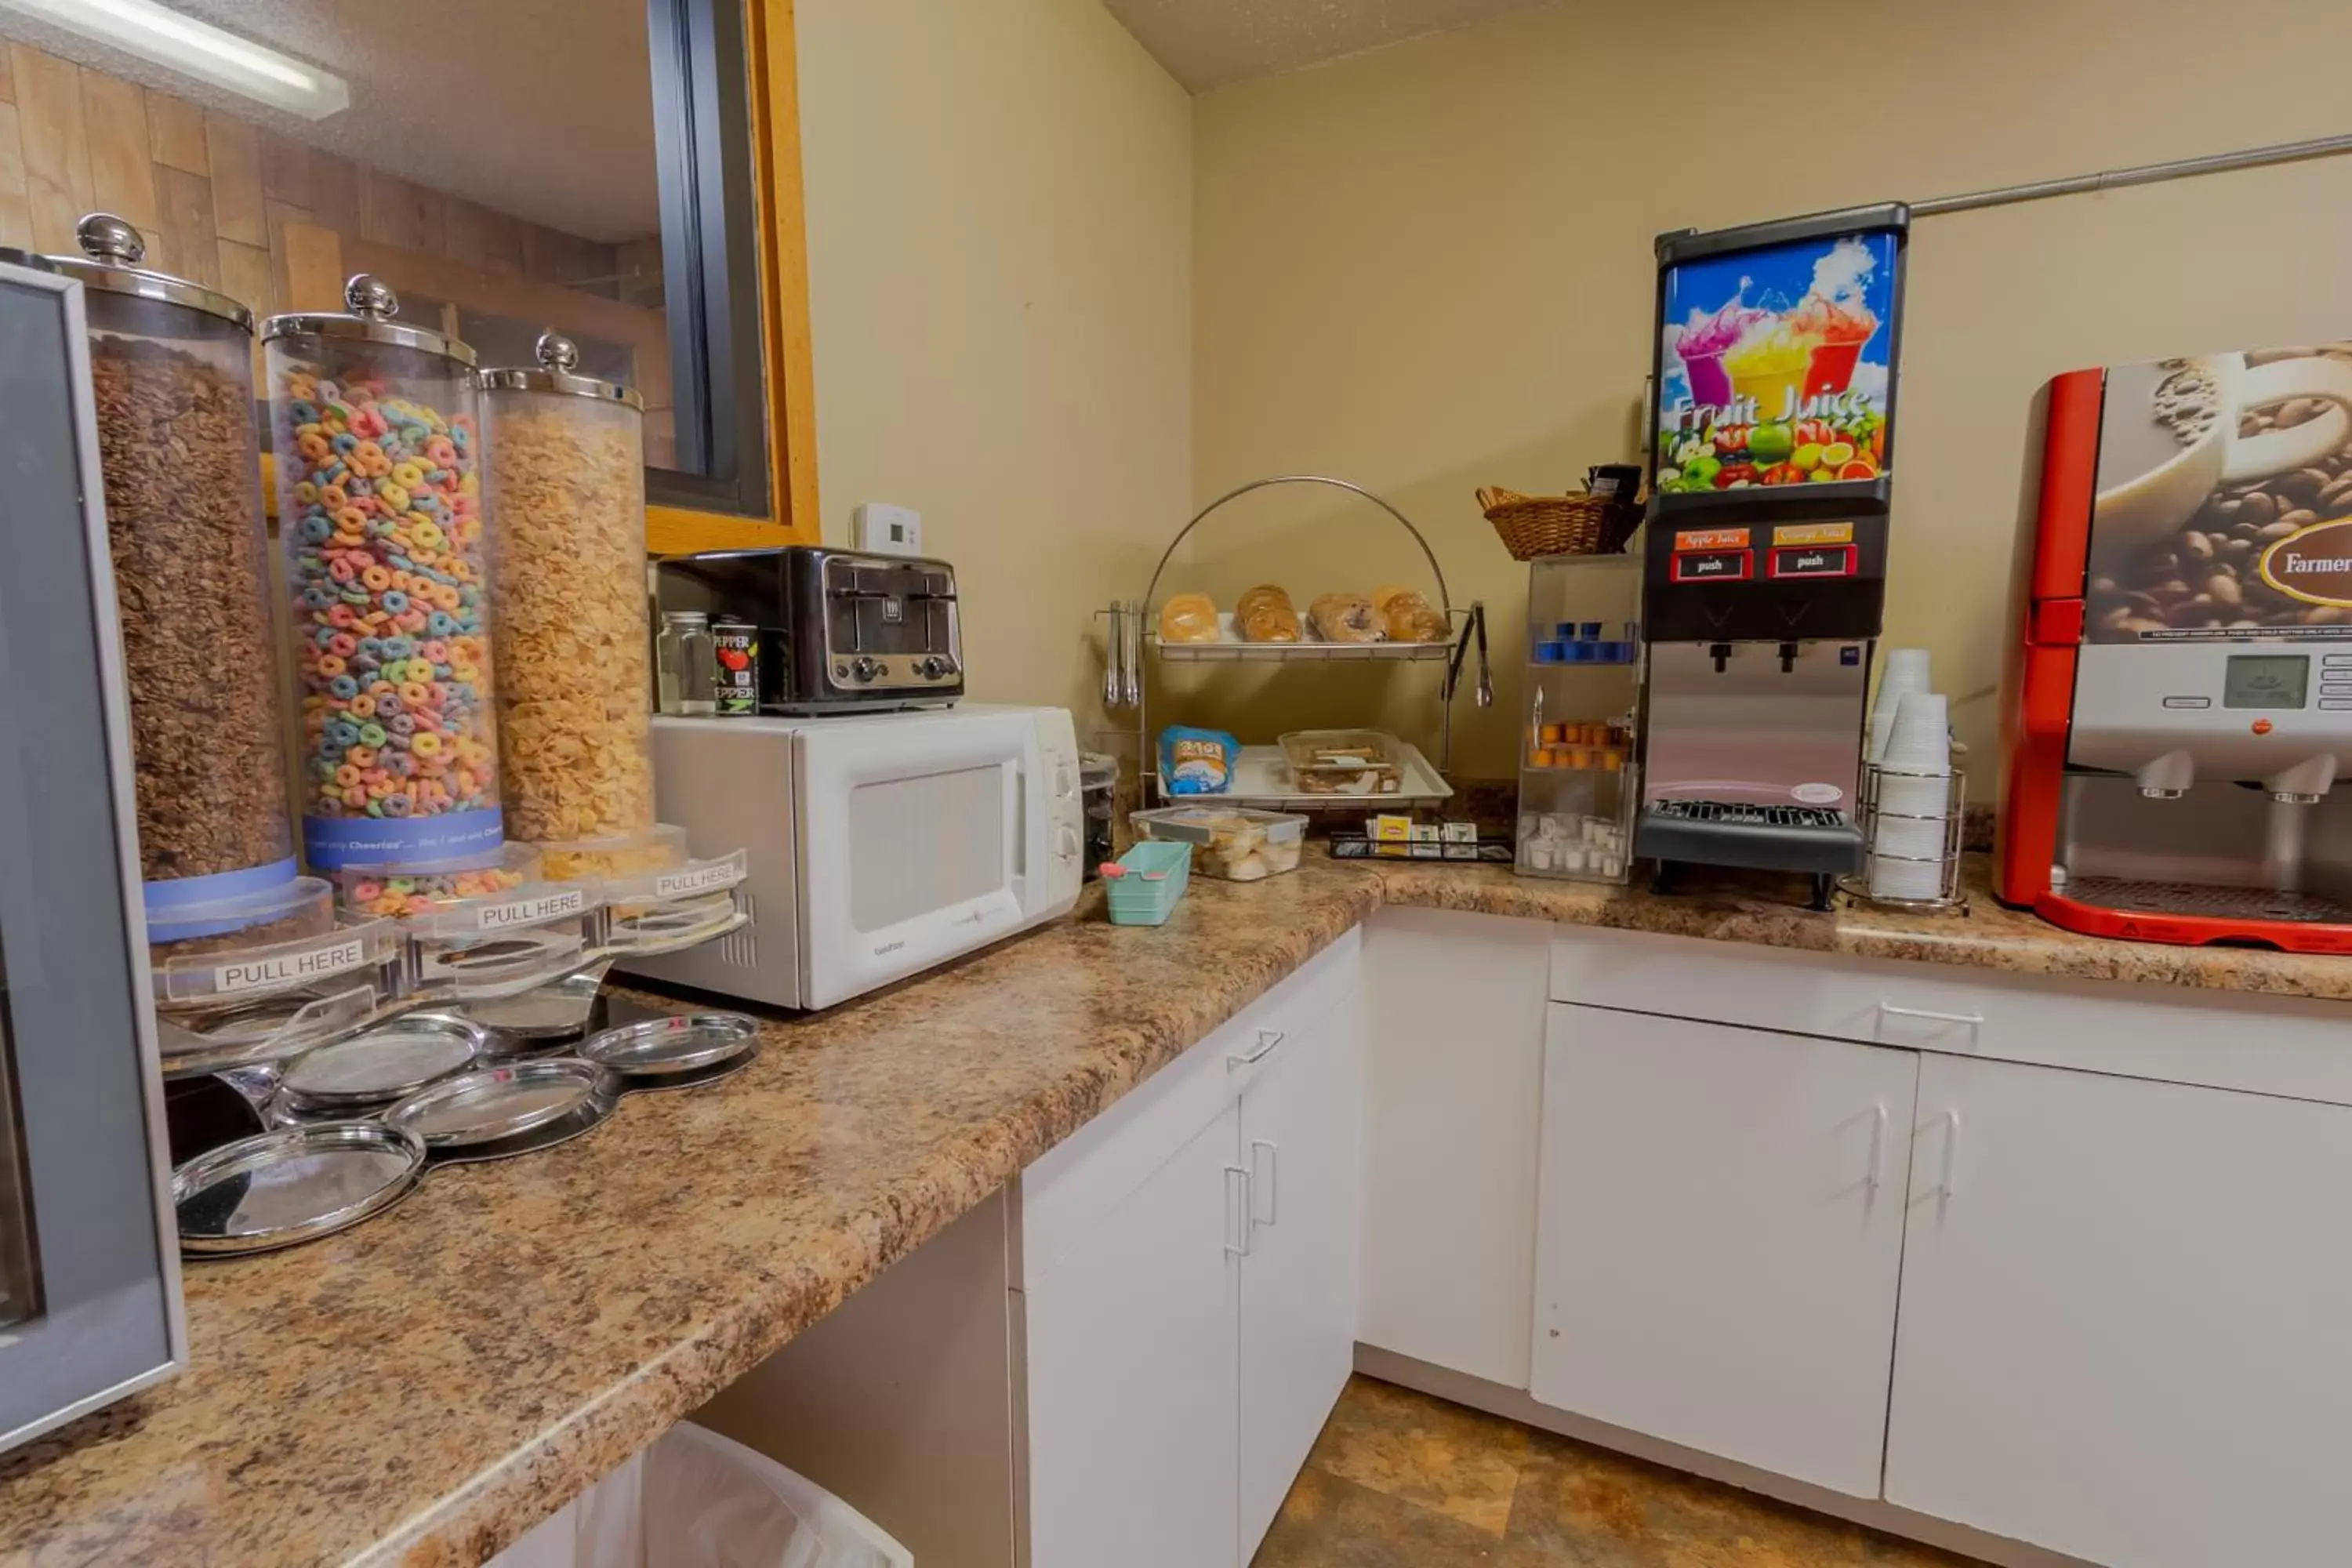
pixel 568 590
pixel 172 375
pixel 380 504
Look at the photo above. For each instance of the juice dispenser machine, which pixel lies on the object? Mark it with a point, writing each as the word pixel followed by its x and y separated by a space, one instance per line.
pixel 1765 554
pixel 2178 691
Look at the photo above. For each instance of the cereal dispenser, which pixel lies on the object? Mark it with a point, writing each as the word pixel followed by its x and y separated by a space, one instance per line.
pixel 575 677
pixel 379 506
pixel 171 377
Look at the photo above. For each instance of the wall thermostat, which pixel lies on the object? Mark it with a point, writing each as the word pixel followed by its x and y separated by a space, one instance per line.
pixel 887 530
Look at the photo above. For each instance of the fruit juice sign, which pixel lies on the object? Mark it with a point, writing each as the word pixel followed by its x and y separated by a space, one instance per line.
pixel 1775 369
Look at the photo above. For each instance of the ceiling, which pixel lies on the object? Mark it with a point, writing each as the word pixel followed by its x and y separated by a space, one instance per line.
pixel 542 109
pixel 1206 43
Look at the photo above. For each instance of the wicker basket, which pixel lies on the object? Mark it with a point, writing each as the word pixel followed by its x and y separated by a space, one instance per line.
pixel 1531 526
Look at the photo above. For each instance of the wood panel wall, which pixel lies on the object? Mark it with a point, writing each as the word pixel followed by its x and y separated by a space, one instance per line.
pixel 260 217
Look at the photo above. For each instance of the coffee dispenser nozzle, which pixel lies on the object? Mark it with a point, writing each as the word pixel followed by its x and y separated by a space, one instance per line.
pixel 2167 777
pixel 2306 783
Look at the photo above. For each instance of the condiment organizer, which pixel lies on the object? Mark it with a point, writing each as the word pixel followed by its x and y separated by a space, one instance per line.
pixel 1579 771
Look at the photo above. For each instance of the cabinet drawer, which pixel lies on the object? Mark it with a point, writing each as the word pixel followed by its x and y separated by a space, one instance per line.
pixel 2285 1046
pixel 1091 1172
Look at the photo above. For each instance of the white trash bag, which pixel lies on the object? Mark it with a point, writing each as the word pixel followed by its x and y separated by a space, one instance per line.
pixel 694 1500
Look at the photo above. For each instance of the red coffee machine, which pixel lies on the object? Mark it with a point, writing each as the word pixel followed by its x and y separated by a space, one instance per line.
pixel 2178 691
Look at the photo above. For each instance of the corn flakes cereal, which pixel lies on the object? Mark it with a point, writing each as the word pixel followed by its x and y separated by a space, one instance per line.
pixel 575 677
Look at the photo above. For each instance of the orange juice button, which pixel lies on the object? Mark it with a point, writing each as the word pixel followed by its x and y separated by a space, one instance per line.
pixel 1813 534
pixel 1711 539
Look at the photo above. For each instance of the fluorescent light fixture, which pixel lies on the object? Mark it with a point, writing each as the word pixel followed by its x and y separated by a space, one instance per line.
pixel 181 44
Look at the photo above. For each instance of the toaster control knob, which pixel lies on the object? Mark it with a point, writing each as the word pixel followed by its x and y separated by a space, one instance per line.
pixel 865 667
pixel 933 666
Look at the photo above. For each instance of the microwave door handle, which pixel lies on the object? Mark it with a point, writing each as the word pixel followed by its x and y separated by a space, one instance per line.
pixel 1016 844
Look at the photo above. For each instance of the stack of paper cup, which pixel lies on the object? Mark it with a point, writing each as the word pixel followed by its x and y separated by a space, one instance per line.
pixel 1906 671
pixel 1914 799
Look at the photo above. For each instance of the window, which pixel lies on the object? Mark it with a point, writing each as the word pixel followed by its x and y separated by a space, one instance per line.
pixel 583 165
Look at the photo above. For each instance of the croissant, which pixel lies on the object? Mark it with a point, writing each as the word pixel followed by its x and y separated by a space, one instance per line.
pixel 1188 618
pixel 1346 617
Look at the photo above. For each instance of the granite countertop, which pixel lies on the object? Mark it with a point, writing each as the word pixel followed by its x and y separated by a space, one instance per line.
pixel 422 1390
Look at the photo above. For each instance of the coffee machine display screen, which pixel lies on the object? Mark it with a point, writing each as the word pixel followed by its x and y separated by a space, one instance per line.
pixel 2266 681
pixel 1776 364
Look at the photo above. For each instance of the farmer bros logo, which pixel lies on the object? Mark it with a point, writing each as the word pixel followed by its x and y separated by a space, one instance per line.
pixel 2314 565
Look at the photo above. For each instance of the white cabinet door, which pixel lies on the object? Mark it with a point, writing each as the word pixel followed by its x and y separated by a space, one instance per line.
pixel 1299 1284
pixel 1720 1237
pixel 1132 1356
pixel 2127 1326
pixel 1453 1085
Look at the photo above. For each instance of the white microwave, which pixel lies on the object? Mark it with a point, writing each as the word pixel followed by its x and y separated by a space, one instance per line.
pixel 880 845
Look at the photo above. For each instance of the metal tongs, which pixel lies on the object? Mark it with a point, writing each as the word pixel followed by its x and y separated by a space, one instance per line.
pixel 1474 627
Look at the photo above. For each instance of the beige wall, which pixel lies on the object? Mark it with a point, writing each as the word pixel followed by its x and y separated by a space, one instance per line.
pixel 1000 203
pixel 1428 268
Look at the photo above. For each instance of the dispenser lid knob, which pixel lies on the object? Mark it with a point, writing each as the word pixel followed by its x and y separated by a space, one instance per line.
pixel 370 296
pixel 106 238
pixel 558 353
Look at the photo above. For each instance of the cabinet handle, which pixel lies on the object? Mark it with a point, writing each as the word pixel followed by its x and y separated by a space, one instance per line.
pixel 1243 1250
pixel 1951 1156
pixel 1877 1153
pixel 1266 1040
pixel 1273 1197
pixel 1975 1021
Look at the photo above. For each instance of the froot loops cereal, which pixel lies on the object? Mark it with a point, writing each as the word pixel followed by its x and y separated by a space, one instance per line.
pixel 382 510
pixel 374 892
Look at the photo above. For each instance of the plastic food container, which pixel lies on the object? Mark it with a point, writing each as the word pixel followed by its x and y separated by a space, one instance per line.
pixel 661 848
pixel 377 435
pixel 172 373
pixel 567 593
pixel 1232 842
pixel 1343 761
pixel 1153 876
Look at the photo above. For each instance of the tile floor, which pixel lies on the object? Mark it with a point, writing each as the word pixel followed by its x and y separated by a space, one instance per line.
pixel 1401 1480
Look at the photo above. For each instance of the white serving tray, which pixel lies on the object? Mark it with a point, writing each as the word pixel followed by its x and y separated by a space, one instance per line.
pixel 1229 645
pixel 1262 779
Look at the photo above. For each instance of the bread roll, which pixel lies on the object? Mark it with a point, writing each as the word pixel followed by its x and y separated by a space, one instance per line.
pixel 1409 616
pixel 1265 614
pixel 1346 617
pixel 1189 617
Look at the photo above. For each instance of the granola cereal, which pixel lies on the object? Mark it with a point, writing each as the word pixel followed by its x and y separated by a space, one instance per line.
pixel 177 446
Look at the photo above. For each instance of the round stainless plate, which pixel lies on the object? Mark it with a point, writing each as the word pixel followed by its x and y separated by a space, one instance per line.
pixel 292 1184
pixel 493 1103
pixel 585 1117
pixel 382 1065
pixel 662 1047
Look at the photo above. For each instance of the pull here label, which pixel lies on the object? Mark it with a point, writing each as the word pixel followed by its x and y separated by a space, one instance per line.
pixel 693 880
pixel 529 911
pixel 287 968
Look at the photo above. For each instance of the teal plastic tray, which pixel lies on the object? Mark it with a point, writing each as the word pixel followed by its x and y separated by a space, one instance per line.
pixel 1157 874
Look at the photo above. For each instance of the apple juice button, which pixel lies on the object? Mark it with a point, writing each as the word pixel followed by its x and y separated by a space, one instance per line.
pixel 1826 561
pixel 1727 565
